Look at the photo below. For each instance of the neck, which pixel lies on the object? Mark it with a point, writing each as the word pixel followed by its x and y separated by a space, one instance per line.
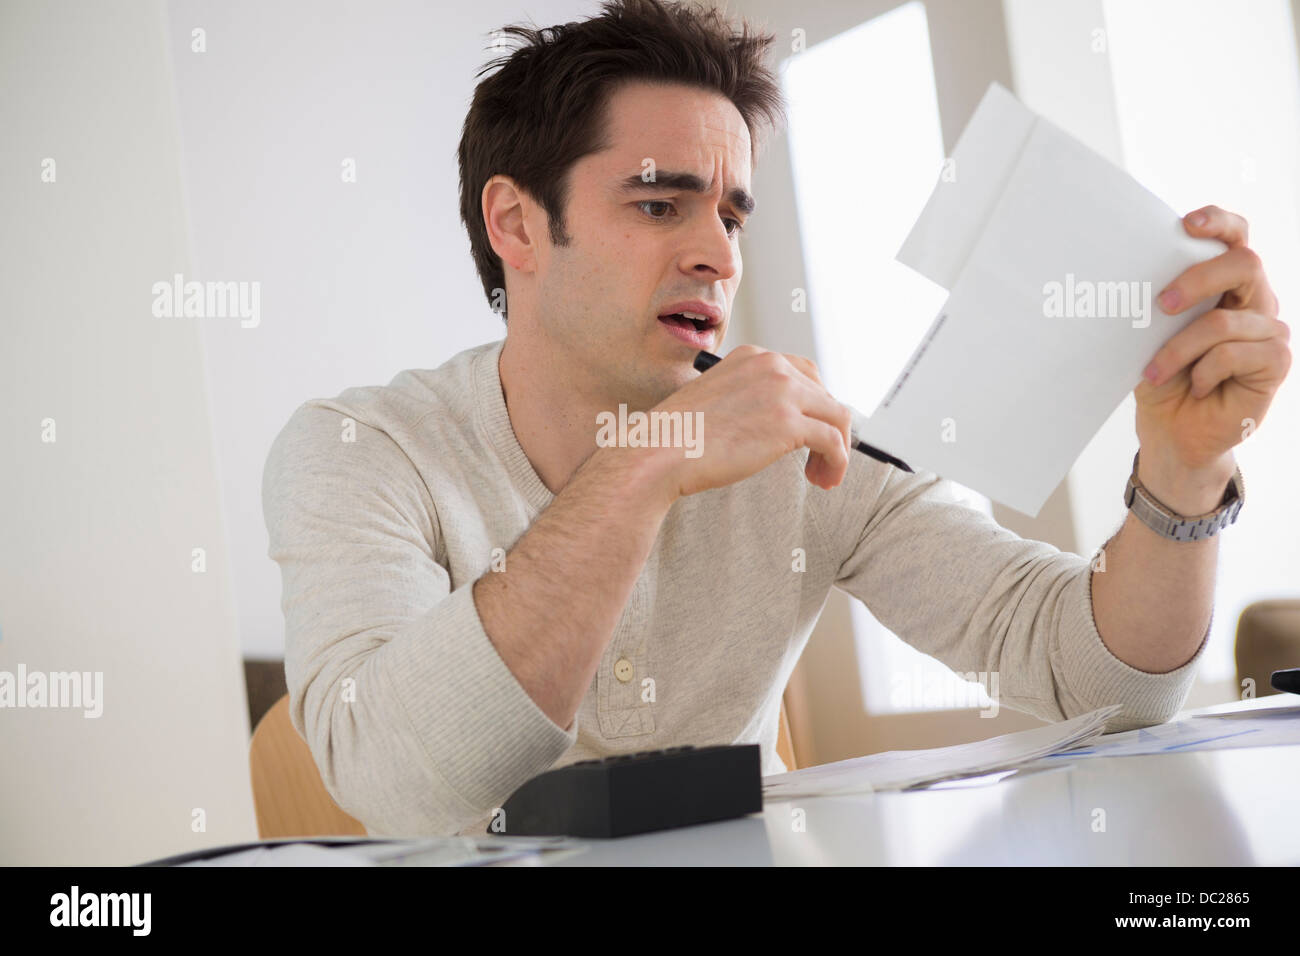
pixel 552 415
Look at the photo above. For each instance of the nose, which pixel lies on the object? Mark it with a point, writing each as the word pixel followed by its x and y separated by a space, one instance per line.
pixel 710 252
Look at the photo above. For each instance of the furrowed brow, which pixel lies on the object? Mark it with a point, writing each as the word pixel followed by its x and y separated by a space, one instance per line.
pixel 740 199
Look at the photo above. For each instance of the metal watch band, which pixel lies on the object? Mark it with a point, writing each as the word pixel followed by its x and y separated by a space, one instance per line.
pixel 1169 524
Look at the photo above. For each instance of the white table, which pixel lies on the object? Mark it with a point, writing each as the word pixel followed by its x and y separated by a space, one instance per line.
pixel 1222 807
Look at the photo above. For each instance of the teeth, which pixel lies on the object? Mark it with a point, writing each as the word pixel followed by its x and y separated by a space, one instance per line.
pixel 696 315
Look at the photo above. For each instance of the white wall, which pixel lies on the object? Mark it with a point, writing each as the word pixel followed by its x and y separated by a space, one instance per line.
pixel 97 526
pixel 359 280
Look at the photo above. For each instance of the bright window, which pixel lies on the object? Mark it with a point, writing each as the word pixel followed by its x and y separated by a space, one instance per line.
pixel 1208 99
pixel 867 150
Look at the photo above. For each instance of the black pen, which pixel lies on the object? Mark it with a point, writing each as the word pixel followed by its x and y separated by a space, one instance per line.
pixel 706 360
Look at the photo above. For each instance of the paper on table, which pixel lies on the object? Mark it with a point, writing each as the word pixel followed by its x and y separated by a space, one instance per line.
pixel 1276 726
pixel 285 854
pixel 421 851
pixel 900 769
pixel 1052 256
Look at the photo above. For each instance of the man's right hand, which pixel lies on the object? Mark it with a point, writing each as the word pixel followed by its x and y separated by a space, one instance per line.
pixel 757 406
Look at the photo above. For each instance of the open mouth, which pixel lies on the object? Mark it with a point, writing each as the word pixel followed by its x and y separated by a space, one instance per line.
pixel 685 322
pixel 697 333
pixel 696 323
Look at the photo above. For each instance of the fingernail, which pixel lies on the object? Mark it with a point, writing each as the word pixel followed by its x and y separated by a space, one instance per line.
pixel 1169 300
pixel 1198 219
pixel 1151 373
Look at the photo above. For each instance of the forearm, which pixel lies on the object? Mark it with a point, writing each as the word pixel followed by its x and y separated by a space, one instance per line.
pixel 553 609
pixel 1154 600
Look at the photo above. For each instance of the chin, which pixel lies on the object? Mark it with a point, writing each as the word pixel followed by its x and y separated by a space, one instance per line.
pixel 673 380
pixel 653 387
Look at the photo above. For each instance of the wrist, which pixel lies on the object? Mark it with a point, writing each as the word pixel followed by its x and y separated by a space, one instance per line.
pixel 1182 490
pixel 646 475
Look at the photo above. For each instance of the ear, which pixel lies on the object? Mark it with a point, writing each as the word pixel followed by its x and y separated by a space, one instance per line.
pixel 505 213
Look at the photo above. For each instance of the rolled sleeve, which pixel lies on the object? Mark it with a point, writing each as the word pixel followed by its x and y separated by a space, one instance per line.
pixel 512 738
pixel 1090 676
pixel 415 722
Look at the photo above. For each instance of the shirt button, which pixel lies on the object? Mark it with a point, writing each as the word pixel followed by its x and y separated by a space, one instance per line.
pixel 623 670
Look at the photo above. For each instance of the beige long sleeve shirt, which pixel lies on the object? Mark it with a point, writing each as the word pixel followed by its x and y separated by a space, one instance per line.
pixel 385 504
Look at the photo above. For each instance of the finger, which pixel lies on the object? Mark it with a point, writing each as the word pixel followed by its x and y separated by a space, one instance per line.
pixel 844 418
pixel 742 352
pixel 824 406
pixel 817 421
pixel 829 458
pixel 1211 222
pixel 805 365
pixel 820 404
pixel 817 401
pixel 1207 331
pixel 1252 363
pixel 1235 275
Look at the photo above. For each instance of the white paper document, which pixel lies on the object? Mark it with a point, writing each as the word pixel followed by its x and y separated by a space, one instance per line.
pixel 1274 726
pixel 1052 257
pixel 900 769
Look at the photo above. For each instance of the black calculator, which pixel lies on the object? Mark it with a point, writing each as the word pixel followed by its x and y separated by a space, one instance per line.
pixel 637 793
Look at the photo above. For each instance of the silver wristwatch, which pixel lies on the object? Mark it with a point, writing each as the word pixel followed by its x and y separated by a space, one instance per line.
pixel 1169 524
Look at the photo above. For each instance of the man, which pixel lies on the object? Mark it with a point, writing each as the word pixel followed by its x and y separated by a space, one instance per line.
pixel 479 585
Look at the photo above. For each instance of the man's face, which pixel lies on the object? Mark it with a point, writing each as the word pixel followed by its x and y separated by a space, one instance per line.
pixel 639 248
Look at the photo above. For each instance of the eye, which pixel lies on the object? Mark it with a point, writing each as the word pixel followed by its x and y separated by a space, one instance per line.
pixel 653 202
pixel 733 232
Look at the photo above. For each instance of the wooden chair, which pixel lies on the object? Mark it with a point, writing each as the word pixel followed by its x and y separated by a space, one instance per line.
pixel 785 741
pixel 1268 639
pixel 288 794
pixel 291 800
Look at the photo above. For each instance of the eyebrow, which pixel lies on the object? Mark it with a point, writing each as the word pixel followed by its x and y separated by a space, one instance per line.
pixel 740 199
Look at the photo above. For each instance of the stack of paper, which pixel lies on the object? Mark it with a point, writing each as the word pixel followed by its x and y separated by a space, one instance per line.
pixel 1277 725
pixel 900 769
pixel 1053 257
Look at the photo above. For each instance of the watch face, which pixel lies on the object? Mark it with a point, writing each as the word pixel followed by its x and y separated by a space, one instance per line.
pixel 1233 492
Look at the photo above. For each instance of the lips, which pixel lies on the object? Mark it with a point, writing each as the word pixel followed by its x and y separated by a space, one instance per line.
pixel 699 314
pixel 693 321
pixel 685 330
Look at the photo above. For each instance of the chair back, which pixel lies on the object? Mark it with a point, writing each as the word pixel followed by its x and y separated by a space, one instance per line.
pixel 784 740
pixel 288 794
pixel 1268 639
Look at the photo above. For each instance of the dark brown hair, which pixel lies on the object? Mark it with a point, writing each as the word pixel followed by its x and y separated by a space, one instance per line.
pixel 546 107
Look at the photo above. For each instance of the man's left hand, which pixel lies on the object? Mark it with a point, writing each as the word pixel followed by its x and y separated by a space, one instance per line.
pixel 1211 384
